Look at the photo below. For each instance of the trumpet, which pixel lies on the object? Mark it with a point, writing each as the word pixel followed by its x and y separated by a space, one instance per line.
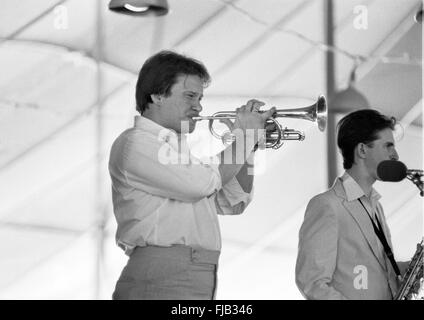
pixel 316 112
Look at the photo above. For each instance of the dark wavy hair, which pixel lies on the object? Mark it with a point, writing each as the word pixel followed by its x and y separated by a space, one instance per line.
pixel 360 126
pixel 160 72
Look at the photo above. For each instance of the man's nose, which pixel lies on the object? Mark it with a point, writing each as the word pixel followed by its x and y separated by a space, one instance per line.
pixel 395 156
pixel 197 106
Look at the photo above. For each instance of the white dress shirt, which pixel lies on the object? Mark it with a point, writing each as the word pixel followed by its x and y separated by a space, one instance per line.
pixel 162 195
pixel 355 192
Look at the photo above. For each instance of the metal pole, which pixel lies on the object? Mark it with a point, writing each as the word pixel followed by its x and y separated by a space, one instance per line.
pixel 99 208
pixel 331 87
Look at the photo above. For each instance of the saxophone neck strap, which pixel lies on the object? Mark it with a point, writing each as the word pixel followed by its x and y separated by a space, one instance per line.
pixel 380 234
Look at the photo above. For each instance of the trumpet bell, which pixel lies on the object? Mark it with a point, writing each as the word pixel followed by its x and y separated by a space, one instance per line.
pixel 321 113
pixel 316 112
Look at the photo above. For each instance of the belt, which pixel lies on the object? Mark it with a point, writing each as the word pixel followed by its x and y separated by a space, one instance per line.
pixel 178 251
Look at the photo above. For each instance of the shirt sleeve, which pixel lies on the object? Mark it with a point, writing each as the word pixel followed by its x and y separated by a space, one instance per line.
pixel 156 168
pixel 232 199
pixel 317 252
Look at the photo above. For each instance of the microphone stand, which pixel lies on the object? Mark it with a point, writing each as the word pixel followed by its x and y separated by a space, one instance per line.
pixel 416 179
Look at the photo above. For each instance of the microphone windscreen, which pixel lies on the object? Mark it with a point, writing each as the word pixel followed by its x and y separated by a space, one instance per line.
pixel 391 170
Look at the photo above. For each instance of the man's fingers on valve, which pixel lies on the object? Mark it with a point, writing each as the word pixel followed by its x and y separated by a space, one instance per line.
pixel 240 109
pixel 254 105
pixel 269 113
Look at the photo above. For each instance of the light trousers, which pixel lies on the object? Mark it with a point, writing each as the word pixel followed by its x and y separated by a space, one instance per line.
pixel 168 273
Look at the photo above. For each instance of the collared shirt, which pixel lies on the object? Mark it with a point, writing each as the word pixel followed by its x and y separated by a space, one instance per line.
pixel 162 195
pixel 354 192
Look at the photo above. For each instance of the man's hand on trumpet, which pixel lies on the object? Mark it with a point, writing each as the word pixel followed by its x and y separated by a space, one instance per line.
pixel 248 131
pixel 249 117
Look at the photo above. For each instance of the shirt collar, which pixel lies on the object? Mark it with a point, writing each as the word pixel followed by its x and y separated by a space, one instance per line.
pixel 163 134
pixel 354 191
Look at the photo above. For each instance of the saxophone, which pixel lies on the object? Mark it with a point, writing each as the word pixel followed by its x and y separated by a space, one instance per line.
pixel 412 285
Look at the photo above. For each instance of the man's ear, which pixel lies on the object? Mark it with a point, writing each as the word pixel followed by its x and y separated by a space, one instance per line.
pixel 156 98
pixel 361 150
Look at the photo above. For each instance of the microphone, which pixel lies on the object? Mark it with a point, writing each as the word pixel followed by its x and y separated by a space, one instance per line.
pixel 395 171
pixel 390 170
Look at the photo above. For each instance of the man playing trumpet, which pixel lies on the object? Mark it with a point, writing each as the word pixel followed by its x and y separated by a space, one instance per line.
pixel 167 213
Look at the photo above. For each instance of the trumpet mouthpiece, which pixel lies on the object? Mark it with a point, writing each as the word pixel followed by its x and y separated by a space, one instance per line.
pixel 199 118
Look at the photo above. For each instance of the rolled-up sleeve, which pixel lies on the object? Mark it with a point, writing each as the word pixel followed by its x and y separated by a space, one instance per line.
pixel 156 168
pixel 317 251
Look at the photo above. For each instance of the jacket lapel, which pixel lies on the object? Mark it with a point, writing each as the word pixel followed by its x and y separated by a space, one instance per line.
pixel 356 210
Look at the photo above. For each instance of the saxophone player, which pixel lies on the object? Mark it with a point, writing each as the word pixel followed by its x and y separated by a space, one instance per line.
pixel 345 249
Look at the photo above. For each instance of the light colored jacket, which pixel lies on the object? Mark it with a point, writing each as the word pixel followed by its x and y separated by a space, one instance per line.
pixel 338 254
